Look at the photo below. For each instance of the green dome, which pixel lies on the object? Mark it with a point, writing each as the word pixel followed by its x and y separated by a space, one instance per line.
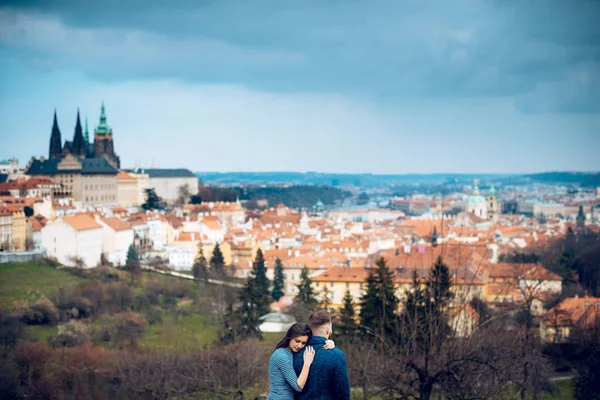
pixel 476 199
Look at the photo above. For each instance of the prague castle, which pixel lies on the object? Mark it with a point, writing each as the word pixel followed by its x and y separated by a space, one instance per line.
pixel 80 146
pixel 86 171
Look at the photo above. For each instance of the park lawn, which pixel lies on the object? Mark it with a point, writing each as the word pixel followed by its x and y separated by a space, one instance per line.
pixel 31 280
pixel 189 332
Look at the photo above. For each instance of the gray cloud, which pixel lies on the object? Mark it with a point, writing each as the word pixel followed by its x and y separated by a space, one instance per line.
pixel 532 51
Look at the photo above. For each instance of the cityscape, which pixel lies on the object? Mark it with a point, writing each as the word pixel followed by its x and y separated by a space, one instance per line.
pixel 162 253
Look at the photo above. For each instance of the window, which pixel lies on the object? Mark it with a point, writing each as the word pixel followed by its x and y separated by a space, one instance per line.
pixel 347 285
pixel 331 284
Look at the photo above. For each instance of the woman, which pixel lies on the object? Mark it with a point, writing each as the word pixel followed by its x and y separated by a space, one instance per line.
pixel 281 365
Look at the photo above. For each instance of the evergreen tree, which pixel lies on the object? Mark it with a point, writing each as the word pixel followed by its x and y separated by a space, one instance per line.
pixel 133 263
pixel 415 312
pixel 217 262
pixel 438 285
pixel 306 294
pixel 200 267
pixel 324 298
pixel 231 325
pixel 255 299
pixel 388 302
pixel 260 284
pixel 368 302
pixel 347 325
pixel 153 202
pixel 278 282
pixel 424 311
pixel 434 237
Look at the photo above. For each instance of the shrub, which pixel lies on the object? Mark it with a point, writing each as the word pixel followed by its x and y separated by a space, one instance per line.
pixel 117 297
pixel 154 316
pixel 71 334
pixel 44 312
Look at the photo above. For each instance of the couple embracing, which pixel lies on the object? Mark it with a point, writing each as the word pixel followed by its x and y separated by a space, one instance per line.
pixel 306 364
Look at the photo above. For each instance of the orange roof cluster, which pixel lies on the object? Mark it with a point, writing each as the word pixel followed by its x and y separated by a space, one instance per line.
pixel 116 224
pixel 424 227
pixel 36 224
pixel 583 311
pixel 343 275
pixel 82 222
pixel 123 176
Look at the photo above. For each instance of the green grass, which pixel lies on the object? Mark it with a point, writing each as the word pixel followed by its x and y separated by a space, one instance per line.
pixel 189 332
pixel 29 281
pixel 565 391
pixel 39 333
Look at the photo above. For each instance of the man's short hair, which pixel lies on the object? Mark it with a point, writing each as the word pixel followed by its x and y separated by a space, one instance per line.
pixel 318 319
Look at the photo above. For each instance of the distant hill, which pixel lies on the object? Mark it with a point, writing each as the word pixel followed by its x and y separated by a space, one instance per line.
pixel 333 179
pixel 581 178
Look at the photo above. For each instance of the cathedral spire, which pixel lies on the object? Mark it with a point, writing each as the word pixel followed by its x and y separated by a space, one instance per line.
pixel 55 140
pixel 103 127
pixel 86 134
pixel 78 140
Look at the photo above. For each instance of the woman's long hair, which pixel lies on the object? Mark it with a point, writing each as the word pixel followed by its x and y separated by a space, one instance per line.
pixel 298 329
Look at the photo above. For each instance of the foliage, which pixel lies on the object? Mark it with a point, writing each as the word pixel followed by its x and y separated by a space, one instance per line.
pixel 11 330
pixel 200 267
pixel 133 263
pixel 306 294
pixel 217 262
pixel 278 281
pixel 183 195
pixel 379 301
pixel 42 312
pixel 28 211
pixel 195 199
pixel 347 321
pixel 363 198
pixel 71 334
pixel 254 297
pixel 153 201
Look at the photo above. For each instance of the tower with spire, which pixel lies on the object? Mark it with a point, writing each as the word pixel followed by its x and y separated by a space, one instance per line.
pixel 78 148
pixel 55 141
pixel 493 209
pixel 103 141
pixel 580 218
pixel 81 146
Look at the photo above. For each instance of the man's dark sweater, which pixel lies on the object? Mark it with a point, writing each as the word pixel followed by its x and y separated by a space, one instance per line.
pixel 328 376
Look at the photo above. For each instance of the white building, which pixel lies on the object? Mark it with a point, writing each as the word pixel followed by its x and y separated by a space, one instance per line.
pixel 74 237
pixel 477 204
pixel 157 234
pixel 212 228
pixel 166 182
pixel 181 258
pixel 118 236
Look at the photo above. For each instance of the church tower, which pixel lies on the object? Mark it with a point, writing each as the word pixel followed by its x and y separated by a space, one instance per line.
pixel 79 148
pixel 55 141
pixel 103 141
pixel 493 210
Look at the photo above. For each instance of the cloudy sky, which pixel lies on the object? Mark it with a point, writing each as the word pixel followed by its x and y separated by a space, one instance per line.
pixel 381 86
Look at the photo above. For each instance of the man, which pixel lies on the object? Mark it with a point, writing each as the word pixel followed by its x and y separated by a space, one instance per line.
pixel 328 376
